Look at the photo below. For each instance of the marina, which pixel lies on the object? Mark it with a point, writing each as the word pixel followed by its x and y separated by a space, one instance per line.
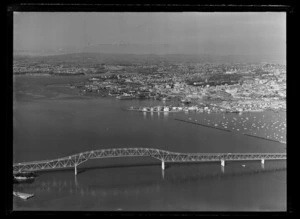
pixel 170 108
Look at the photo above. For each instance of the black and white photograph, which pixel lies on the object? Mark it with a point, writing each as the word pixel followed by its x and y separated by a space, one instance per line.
pixel 126 111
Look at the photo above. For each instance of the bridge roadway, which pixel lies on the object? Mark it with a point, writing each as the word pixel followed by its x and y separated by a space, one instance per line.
pixel 162 155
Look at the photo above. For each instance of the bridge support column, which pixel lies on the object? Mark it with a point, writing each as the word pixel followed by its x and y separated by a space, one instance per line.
pixel 223 163
pixel 163 165
pixel 75 167
pixel 76 183
pixel 262 163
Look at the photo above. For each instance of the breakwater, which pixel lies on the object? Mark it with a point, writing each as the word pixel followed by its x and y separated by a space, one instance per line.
pixel 268 139
pixel 254 136
pixel 182 120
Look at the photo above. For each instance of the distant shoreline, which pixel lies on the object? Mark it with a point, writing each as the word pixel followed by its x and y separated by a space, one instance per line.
pixel 156 58
pixel 49 74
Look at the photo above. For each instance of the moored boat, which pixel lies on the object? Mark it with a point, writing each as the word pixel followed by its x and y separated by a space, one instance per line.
pixel 21 195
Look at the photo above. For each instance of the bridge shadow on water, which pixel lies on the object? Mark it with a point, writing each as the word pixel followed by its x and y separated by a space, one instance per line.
pixel 96 167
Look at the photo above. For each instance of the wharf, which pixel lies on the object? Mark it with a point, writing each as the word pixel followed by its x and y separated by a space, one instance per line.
pixel 153 109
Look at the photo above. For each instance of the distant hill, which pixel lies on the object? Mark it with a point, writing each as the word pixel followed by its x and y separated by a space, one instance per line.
pixel 127 52
pixel 109 58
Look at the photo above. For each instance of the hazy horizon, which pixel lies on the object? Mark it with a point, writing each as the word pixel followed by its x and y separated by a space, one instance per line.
pixel 261 34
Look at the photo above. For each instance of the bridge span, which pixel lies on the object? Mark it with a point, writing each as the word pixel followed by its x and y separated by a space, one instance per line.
pixel 164 156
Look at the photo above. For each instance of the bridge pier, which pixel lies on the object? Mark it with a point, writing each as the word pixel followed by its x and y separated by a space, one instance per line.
pixel 76 183
pixel 162 165
pixel 75 167
pixel 222 162
pixel 262 163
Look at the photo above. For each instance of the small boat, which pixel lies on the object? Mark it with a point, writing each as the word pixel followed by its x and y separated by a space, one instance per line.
pixel 25 174
pixel 21 195
pixel 243 165
pixel 23 178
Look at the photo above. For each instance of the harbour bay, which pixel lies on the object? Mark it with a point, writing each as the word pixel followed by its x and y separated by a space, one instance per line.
pixel 58 125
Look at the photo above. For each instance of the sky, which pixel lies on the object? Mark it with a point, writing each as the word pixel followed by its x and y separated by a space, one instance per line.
pixel 225 33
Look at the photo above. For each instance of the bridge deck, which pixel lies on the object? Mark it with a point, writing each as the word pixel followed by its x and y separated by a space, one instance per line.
pixel 162 155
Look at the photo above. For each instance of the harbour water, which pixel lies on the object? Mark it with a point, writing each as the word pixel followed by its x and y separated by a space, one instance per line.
pixel 52 122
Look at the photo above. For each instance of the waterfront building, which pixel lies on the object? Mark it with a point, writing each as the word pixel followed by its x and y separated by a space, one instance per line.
pixel 192 108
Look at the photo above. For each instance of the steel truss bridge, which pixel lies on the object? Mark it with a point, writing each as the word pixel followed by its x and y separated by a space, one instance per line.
pixel 164 156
